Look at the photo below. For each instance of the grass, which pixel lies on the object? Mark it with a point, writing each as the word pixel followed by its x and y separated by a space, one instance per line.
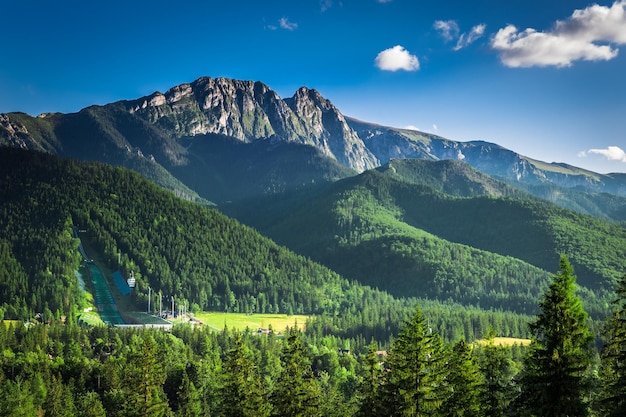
pixel 241 321
pixel 506 341
pixel 91 318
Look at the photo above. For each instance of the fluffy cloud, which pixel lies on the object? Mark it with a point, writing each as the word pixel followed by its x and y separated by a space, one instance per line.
pixel 583 36
pixel 612 153
pixel 397 58
pixel 286 24
pixel 449 30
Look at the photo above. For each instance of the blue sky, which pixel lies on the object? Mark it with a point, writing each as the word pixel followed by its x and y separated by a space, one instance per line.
pixel 545 79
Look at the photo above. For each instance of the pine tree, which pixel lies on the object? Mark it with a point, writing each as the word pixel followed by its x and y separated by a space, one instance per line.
pixel 464 380
pixel 370 387
pixel 89 405
pixel 553 381
pixel 59 401
pixel 242 393
pixel 497 390
pixel 16 399
pixel 416 384
pixel 145 378
pixel 296 393
pixel 188 398
pixel 612 398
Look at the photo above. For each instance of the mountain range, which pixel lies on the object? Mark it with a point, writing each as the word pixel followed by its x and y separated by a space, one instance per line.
pixel 412 213
pixel 195 130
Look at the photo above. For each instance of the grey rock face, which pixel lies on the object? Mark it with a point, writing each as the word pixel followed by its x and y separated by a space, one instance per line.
pixel 251 111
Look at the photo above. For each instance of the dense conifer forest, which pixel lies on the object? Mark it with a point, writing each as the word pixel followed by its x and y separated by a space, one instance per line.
pixel 63 369
pixel 364 352
pixel 181 248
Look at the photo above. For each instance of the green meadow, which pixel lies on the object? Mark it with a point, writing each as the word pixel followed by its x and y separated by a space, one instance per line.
pixel 241 321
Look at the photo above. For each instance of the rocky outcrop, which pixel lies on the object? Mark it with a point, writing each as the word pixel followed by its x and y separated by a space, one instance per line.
pixel 326 128
pixel 13 133
pixel 251 111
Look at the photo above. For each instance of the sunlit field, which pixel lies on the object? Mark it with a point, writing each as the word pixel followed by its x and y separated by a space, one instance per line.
pixel 241 321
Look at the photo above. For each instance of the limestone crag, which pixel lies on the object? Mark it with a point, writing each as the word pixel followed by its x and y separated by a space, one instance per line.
pixel 251 111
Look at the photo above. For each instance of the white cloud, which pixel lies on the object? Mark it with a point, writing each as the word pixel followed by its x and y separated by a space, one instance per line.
pixel 435 127
pixel 585 35
pixel 411 127
pixel 449 29
pixel 397 58
pixel 612 153
pixel 286 24
pixel 467 38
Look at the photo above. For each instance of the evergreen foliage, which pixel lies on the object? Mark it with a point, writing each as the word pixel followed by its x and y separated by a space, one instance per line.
pixel 242 391
pixel 297 393
pixel 416 383
pixel 612 401
pixel 452 240
pixel 497 390
pixel 554 380
pixel 464 380
pixel 53 366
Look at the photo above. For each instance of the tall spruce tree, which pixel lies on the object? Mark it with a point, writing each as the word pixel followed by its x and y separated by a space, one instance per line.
pixel 464 382
pixel 144 377
pixel 242 393
pixel 612 398
pixel 370 388
pixel 416 384
pixel 497 389
pixel 296 393
pixel 553 381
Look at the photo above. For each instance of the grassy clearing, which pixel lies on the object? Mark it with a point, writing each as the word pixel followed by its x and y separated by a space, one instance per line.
pixel 241 321
pixel 91 318
pixel 506 341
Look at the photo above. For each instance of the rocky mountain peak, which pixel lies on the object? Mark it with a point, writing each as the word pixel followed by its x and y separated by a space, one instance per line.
pixel 250 111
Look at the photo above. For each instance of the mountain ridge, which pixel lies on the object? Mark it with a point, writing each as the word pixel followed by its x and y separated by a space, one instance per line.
pixel 159 129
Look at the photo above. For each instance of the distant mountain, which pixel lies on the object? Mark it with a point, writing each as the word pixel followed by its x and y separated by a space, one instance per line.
pixel 187 140
pixel 562 184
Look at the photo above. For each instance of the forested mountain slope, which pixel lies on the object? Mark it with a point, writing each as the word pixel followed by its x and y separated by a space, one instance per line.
pixel 183 249
pixel 452 239
pixel 176 247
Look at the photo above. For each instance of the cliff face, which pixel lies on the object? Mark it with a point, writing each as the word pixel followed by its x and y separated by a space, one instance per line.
pixel 251 111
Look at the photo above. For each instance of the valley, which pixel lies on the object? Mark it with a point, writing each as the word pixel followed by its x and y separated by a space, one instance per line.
pixel 362 245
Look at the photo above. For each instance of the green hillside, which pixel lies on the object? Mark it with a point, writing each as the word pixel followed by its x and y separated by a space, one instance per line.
pixel 183 249
pixel 452 238
pixel 176 247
